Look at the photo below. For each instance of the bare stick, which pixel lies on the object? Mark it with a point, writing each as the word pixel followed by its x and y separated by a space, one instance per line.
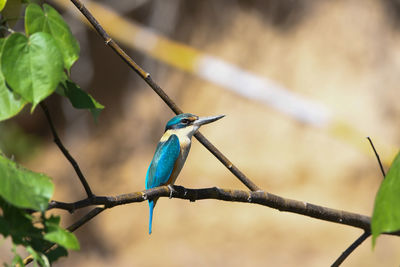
pixel 90 215
pixel 156 88
pixel 258 197
pixel 65 151
pixel 377 157
pixel 366 234
pixel 350 249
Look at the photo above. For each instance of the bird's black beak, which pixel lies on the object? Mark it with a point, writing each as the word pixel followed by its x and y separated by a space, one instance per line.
pixel 205 120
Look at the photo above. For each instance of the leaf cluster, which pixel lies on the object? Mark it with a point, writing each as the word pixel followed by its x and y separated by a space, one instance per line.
pixel 35 64
pixel 24 197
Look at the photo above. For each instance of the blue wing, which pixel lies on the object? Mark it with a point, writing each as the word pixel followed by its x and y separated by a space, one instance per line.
pixel 163 162
pixel 161 167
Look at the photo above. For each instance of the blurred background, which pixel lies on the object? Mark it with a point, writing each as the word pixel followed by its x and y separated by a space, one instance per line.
pixel 302 84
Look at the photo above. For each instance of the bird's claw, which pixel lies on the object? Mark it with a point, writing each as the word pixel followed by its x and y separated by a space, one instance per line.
pixel 171 190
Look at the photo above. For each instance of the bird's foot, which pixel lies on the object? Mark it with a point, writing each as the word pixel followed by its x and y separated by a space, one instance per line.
pixel 171 190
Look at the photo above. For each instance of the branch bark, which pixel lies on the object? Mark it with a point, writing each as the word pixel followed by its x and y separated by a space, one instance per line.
pixel 67 155
pixel 350 249
pixel 259 197
pixel 366 234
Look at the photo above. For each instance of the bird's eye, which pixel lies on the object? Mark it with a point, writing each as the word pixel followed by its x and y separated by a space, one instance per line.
pixel 185 121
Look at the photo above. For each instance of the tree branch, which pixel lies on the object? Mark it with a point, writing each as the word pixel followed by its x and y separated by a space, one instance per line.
pixel 350 249
pixel 259 197
pixel 65 151
pixel 156 88
pixel 87 217
pixel 366 234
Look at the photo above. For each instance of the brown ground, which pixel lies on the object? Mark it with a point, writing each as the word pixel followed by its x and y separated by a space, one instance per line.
pixel 343 54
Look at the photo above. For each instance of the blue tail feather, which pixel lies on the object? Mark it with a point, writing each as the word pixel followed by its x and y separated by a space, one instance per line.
pixel 151 205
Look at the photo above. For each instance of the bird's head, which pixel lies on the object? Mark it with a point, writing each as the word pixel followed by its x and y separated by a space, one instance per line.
pixel 189 123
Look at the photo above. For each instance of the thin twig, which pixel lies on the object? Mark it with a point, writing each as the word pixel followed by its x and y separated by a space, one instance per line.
pixel 65 151
pixel 366 234
pixel 147 78
pixel 350 249
pixel 377 157
pixel 258 197
pixel 90 215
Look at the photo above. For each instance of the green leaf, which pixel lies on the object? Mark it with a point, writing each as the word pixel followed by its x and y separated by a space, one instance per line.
pixel 2 4
pixel 14 140
pixel 386 215
pixel 50 21
pixel 32 66
pixel 14 222
pixel 56 253
pixel 10 103
pixel 60 88
pixel 82 100
pixel 4 227
pixel 59 235
pixel 24 188
pixel 18 224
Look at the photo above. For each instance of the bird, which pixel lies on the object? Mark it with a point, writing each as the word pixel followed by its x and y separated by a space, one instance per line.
pixel 172 151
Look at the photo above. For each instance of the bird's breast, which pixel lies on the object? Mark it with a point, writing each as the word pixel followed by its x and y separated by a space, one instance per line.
pixel 185 144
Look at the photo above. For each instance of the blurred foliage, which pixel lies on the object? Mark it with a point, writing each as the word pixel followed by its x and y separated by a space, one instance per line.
pixel 17 143
pixel 11 12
